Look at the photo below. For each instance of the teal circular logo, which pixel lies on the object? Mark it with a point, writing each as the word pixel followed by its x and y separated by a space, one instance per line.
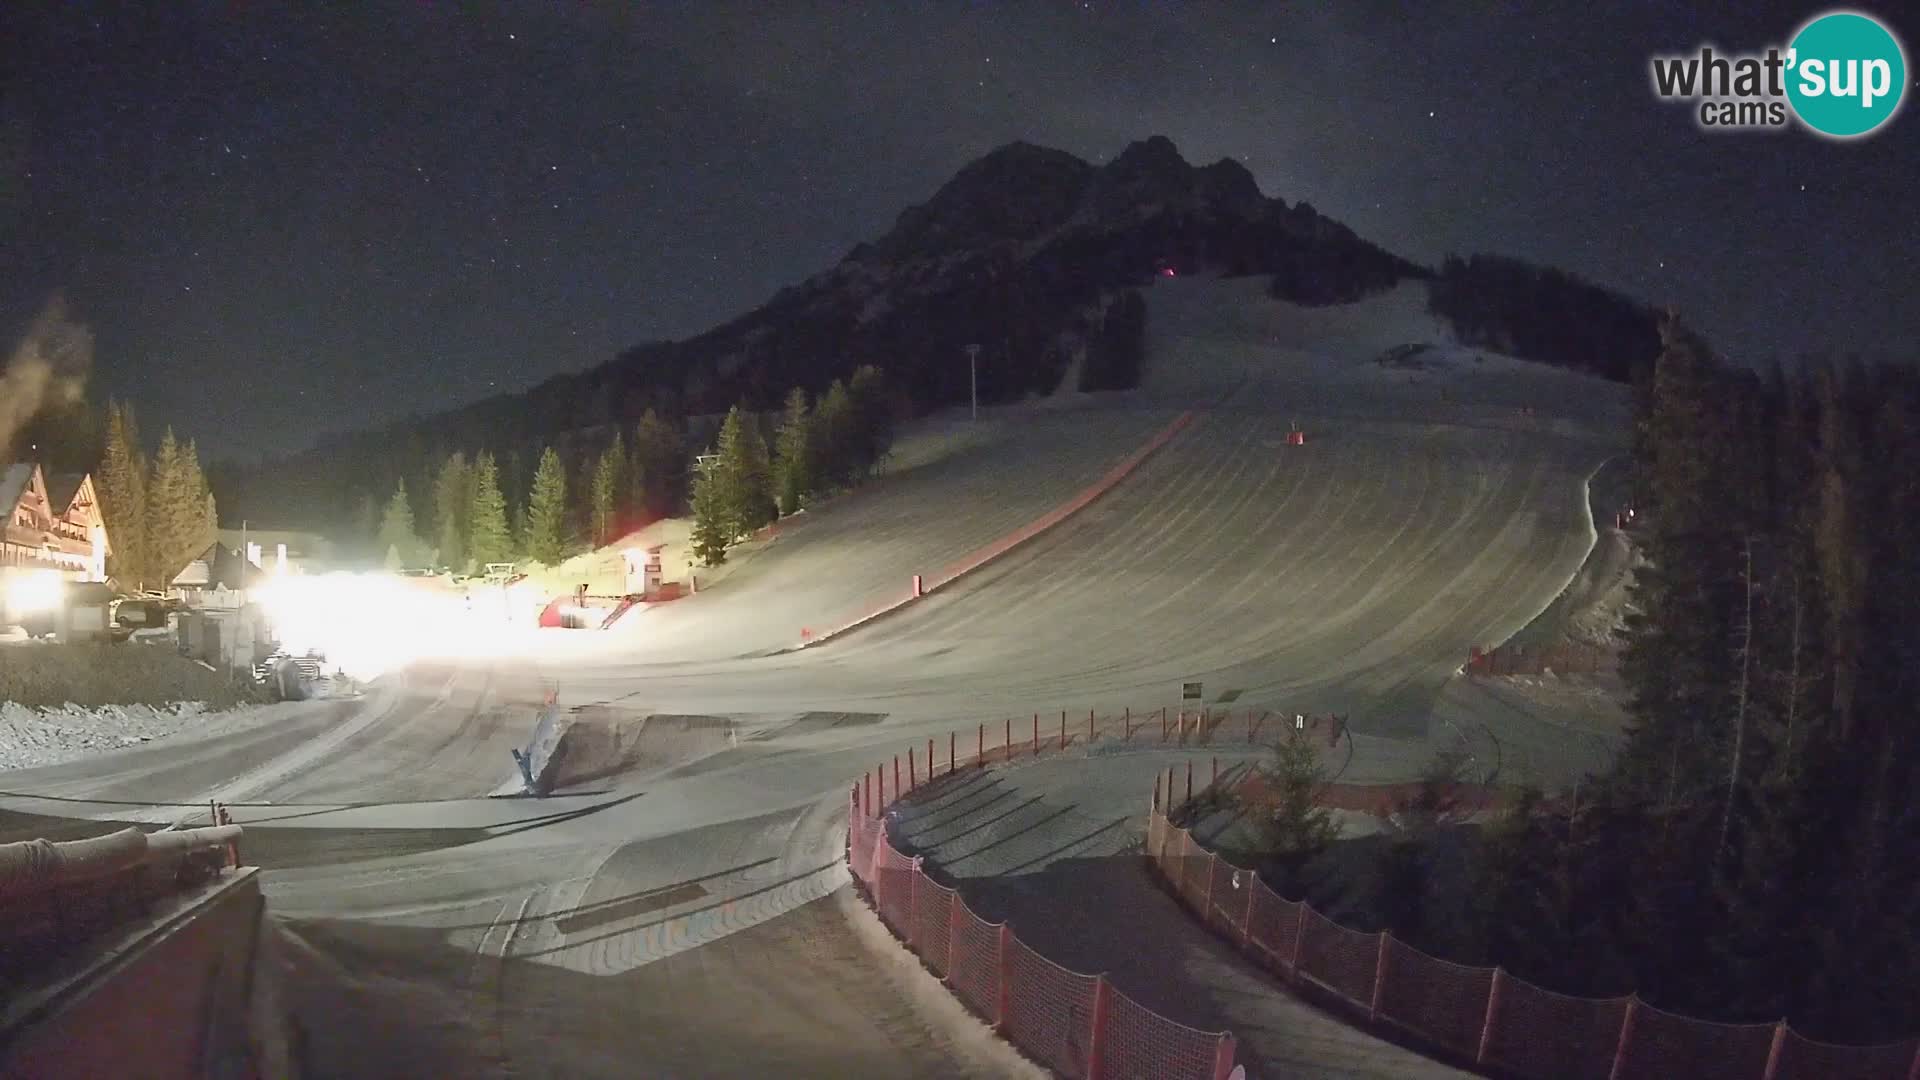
pixel 1846 74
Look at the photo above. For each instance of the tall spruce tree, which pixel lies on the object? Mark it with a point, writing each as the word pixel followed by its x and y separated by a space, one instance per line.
pixel 712 529
pixel 546 522
pixel 452 500
pixel 656 473
pixel 873 418
pixel 740 472
pixel 122 486
pixel 488 541
pixel 172 512
pixel 794 453
pixel 609 490
pixel 836 429
pixel 398 540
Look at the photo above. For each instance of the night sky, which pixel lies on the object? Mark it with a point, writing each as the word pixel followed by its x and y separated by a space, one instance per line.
pixel 286 220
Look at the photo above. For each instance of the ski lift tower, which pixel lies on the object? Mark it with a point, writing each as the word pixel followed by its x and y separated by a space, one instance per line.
pixel 973 377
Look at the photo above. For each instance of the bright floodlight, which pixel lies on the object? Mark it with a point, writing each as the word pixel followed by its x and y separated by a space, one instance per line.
pixel 370 624
pixel 32 592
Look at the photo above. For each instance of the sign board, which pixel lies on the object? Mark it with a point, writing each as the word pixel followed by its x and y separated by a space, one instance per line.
pixel 1190 691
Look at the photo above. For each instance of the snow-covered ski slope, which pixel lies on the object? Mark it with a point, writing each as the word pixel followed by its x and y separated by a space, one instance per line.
pixel 1427 512
pixel 1349 574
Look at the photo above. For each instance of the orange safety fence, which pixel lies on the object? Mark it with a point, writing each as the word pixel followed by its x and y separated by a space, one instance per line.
pixel 1485 1016
pixel 986 553
pixel 1076 1024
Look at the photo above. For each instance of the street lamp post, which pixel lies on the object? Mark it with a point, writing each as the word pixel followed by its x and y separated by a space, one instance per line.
pixel 973 377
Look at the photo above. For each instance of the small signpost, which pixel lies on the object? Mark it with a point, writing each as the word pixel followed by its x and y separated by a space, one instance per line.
pixel 1190 691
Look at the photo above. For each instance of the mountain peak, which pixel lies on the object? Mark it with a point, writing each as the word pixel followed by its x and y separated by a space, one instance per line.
pixel 1012 193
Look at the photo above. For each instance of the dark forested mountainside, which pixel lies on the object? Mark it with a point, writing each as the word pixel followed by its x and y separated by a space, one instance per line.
pixel 1749 858
pixel 1545 315
pixel 1030 253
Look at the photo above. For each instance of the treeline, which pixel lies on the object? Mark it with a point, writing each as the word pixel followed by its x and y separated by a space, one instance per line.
pixel 1321 274
pixel 740 487
pixel 159 512
pixel 471 511
pixel 1750 856
pixel 1545 315
pixel 477 512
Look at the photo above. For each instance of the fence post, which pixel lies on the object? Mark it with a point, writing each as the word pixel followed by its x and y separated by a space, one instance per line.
pixel 1206 904
pixel 953 937
pixel 1189 780
pixel 980 746
pixel 897 789
pixel 1493 1016
pixel 1036 734
pixel 1773 1050
pixel 1626 1039
pixel 1299 936
pixel 1009 740
pixel 1216 773
pixel 867 803
pixel 1223 1057
pixel 930 759
pixel 913 773
pixel 1063 729
pixel 1180 863
pixel 1379 977
pixel 953 756
pixel 1163 723
pixel 1246 921
pixel 913 908
pixel 1126 723
pixel 1089 727
pixel 1097 1037
pixel 881 806
pixel 1004 962
pixel 1156 792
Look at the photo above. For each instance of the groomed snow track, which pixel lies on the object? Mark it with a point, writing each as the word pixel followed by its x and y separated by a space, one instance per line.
pixel 682 918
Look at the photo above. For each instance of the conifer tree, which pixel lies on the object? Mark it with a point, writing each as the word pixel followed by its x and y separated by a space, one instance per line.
pixel 122 487
pixel 741 475
pixel 712 531
pixel 171 512
pixel 794 454
pixel 487 540
pixel 452 500
pixel 609 488
pixel 657 470
pixel 835 428
pixel 546 521
pixel 397 537
pixel 873 418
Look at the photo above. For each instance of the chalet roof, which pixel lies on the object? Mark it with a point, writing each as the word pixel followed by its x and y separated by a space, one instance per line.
pixel 61 488
pixel 13 484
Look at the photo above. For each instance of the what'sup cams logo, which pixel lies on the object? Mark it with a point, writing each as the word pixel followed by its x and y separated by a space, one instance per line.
pixel 1842 76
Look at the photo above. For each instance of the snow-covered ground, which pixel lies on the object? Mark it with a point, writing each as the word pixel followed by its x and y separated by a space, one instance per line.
pixel 30 736
pixel 1429 511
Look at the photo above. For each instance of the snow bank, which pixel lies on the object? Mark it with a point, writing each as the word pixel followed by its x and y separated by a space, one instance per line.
pixel 30 737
